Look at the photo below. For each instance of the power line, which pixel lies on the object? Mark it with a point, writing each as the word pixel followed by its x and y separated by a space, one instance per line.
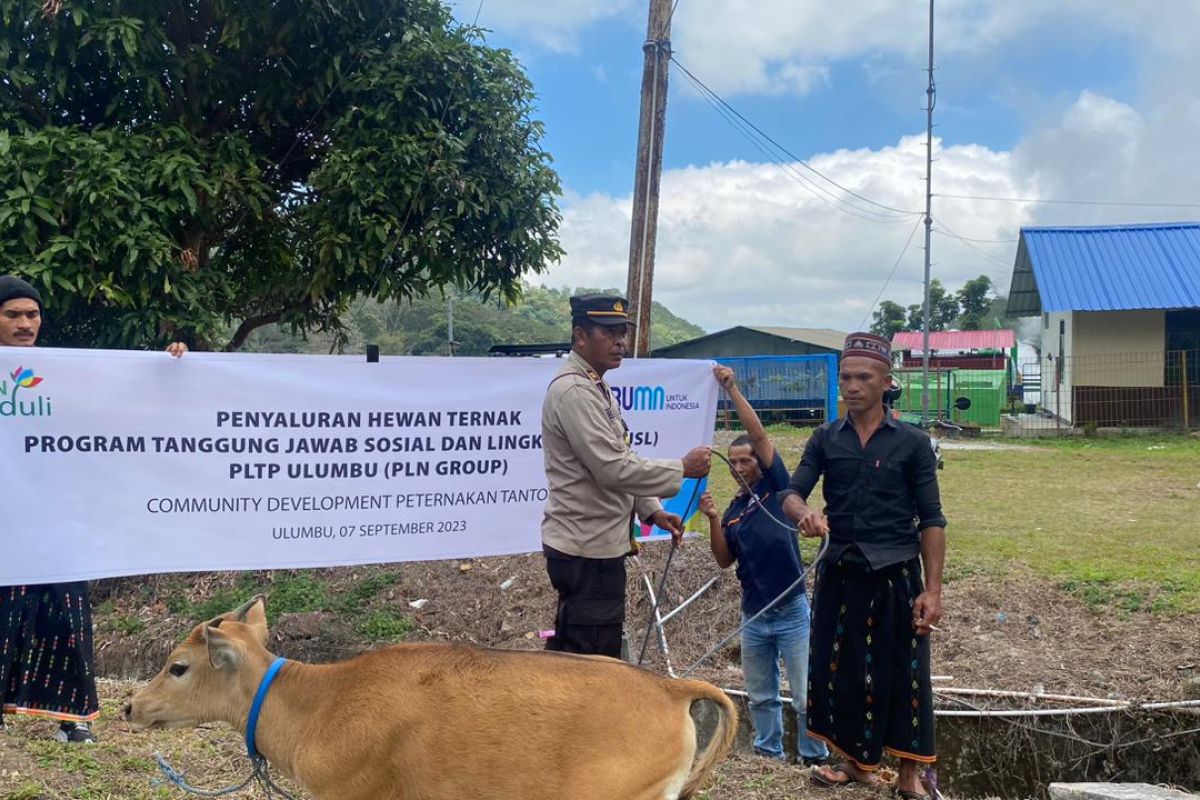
pixel 985 256
pixel 787 152
pixel 761 141
pixel 671 16
pixel 1048 200
pixel 818 191
pixel 938 220
pixel 888 280
pixel 748 124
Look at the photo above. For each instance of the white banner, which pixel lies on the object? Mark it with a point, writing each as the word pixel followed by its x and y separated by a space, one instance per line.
pixel 128 463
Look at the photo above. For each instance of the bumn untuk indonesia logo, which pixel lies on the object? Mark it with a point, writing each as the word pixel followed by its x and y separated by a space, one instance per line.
pixel 13 406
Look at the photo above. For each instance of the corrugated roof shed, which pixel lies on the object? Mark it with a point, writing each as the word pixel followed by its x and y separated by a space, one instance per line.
pixel 1112 268
pixel 822 337
pixel 746 340
pixel 1001 339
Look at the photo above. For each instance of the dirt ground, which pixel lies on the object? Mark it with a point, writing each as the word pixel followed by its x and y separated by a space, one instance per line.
pixel 1020 633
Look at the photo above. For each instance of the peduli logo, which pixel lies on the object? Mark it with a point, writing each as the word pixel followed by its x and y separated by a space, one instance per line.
pixel 10 406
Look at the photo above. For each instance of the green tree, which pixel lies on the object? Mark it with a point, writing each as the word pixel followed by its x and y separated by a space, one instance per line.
pixel 996 315
pixel 974 301
pixel 205 168
pixel 943 309
pixel 888 319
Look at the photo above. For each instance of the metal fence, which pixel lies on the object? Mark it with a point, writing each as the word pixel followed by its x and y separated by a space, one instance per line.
pixel 1050 395
pixel 1035 397
pixel 800 390
pixel 1112 390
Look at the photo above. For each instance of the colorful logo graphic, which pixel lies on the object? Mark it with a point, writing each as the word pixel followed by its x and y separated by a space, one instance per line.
pixel 22 378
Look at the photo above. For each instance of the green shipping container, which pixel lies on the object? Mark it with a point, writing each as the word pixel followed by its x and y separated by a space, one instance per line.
pixel 941 392
pixel 985 388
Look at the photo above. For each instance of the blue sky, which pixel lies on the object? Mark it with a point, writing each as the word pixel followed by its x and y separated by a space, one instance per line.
pixel 1082 99
pixel 589 101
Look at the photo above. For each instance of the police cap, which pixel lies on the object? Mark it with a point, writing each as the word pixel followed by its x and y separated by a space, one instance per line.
pixel 601 309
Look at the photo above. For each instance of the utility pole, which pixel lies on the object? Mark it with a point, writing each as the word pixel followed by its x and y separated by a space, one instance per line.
pixel 651 127
pixel 450 324
pixel 930 94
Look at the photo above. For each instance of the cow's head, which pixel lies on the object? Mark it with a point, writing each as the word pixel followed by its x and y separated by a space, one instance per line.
pixel 211 676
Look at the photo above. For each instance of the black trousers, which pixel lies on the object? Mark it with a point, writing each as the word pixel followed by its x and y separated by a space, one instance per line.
pixel 591 603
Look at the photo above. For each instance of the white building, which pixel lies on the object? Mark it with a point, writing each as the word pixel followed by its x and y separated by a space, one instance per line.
pixel 1120 312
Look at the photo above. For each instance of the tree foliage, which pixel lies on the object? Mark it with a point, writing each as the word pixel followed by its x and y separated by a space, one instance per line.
pixel 943 308
pixel 421 327
pixel 207 167
pixel 975 306
pixel 974 300
pixel 889 319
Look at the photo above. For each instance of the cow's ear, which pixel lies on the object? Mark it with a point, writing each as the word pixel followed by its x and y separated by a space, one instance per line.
pixel 255 616
pixel 223 652
pixel 242 612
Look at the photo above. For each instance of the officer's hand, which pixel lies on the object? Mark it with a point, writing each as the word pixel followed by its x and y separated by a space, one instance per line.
pixel 669 522
pixel 813 523
pixel 697 462
pixel 177 349
pixel 708 507
pixel 724 376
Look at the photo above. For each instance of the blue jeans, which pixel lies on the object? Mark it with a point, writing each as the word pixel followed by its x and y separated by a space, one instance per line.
pixel 782 632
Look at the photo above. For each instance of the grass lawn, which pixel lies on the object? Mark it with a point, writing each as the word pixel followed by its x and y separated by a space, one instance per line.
pixel 1114 521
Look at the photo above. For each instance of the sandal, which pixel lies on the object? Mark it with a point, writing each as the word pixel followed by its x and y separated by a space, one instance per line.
pixel 905 794
pixel 821 776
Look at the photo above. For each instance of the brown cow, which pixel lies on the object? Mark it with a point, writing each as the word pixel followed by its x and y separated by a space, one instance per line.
pixel 444 721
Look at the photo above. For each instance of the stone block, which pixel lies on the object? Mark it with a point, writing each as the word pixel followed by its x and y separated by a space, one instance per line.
pixel 1115 791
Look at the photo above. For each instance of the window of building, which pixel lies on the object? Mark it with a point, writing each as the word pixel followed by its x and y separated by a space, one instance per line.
pixel 1183 342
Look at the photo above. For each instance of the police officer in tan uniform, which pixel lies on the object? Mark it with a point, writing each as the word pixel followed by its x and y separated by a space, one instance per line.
pixel 597 483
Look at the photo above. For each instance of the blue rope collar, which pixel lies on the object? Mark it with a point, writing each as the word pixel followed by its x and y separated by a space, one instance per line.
pixel 256 707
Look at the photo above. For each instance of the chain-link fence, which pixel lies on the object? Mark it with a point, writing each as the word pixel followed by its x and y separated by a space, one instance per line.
pixel 1113 390
pixel 1028 397
pixel 1049 395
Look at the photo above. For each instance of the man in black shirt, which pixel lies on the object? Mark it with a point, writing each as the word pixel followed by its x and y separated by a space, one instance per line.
pixel 869 686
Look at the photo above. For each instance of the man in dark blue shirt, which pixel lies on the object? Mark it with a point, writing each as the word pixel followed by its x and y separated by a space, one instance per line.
pixel 767 553
pixel 869 680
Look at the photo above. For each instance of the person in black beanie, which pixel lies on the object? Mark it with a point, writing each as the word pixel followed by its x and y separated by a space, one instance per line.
pixel 45 630
pixel 20 312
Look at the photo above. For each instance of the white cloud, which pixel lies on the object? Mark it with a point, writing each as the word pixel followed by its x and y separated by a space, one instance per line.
pixel 743 243
pixel 1107 151
pixel 786 46
pixel 553 24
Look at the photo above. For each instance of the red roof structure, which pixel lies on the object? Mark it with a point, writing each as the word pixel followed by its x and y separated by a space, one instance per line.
pixel 1002 339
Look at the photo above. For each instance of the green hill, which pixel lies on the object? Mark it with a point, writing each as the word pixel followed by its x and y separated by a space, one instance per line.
pixel 419 327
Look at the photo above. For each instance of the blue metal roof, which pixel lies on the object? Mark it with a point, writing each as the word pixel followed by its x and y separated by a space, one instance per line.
pixel 1112 268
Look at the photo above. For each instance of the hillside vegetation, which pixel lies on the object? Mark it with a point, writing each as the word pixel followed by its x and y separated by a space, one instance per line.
pixel 420 326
